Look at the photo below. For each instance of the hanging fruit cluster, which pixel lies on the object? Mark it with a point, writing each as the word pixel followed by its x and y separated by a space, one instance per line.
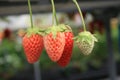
pixel 58 40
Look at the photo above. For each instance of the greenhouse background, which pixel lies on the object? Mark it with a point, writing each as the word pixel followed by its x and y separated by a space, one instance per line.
pixel 102 18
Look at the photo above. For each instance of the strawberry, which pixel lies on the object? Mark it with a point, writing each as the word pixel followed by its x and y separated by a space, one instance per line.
pixel 32 40
pixel 67 53
pixel 54 42
pixel 33 45
pixel 21 33
pixel 85 41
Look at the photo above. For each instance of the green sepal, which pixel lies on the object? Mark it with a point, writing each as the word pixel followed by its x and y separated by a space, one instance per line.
pixel 65 28
pixel 53 29
pixel 57 28
pixel 95 39
pixel 85 36
pixel 35 30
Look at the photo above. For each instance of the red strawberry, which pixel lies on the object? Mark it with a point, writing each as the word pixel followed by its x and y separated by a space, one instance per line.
pixel 54 43
pixel 33 45
pixel 32 41
pixel 67 53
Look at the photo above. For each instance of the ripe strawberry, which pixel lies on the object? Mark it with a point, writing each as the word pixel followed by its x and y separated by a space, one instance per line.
pixel 67 53
pixel 33 45
pixel 85 41
pixel 54 42
pixel 32 41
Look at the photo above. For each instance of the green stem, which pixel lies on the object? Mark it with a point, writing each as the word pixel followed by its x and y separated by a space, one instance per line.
pixel 30 11
pixel 54 13
pixel 79 9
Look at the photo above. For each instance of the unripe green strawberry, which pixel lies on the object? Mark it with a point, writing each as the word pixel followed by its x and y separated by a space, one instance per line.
pixel 85 41
pixel 67 53
pixel 33 45
pixel 54 42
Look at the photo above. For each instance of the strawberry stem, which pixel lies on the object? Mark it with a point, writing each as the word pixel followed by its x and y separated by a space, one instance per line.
pixel 30 11
pixel 80 12
pixel 54 13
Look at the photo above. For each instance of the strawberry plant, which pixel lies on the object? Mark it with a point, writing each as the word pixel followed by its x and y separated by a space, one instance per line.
pixel 59 41
pixel 32 41
pixel 54 39
pixel 85 39
pixel 67 52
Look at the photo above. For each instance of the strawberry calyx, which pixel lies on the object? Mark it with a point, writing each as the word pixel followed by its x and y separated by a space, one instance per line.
pixel 57 28
pixel 54 30
pixel 34 30
pixel 86 37
pixel 65 28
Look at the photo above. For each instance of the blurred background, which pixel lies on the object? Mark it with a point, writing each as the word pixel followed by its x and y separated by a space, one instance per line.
pixel 102 18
